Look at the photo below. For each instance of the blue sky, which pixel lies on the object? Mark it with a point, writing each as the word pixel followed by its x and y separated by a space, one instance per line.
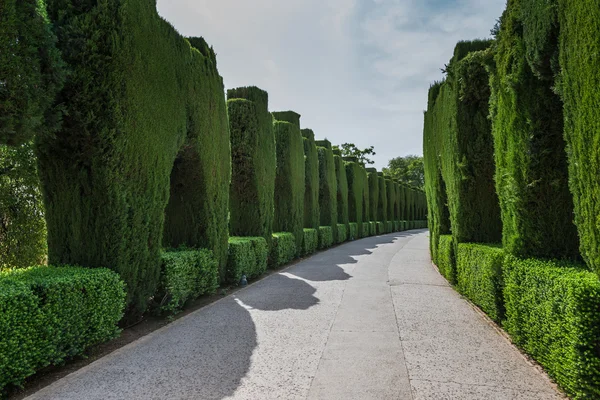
pixel 357 70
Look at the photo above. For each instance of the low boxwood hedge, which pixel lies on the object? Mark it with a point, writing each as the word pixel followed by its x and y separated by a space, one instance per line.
pixel 283 249
pixel 310 241
pixel 186 274
pixel 372 228
pixel 479 276
pixel 366 229
pixel 353 231
pixel 396 226
pixel 246 256
pixel 446 261
pixel 389 226
pixel 553 313
pixel 342 233
pixel 325 237
pixel 50 314
pixel 380 228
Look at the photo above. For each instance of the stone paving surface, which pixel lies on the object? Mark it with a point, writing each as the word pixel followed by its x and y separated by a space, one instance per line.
pixel 371 319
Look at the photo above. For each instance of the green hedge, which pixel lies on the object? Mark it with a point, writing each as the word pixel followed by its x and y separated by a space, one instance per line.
pixel 445 257
pixel 31 69
pixel 283 250
pixel 143 156
pixel 365 229
pixel 253 163
pixel 396 226
pixel 531 161
pixel 289 181
pixel 325 237
pixel 391 199
pixel 185 275
pixel 342 233
pixel 381 228
pixel 288 116
pixel 479 276
pixel 341 181
pixel 353 232
pixel 373 182
pixel 310 241
pixel 580 43
pixel 355 193
pixel 52 314
pixel 246 256
pixel 311 180
pixel 383 199
pixel 389 225
pixel 372 228
pixel 327 189
pixel 553 313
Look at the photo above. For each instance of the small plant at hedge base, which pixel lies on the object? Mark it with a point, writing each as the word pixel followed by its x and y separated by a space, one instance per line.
pixel 283 250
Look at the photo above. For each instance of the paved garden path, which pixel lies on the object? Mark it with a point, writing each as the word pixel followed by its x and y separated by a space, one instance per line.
pixel 371 319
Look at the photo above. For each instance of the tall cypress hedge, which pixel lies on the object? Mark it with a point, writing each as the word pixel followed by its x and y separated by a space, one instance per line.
pixel 373 193
pixel 467 147
pixel 31 71
pixel 531 162
pixel 253 162
pixel 397 202
pixel 328 190
pixel 341 181
pixel 391 200
pixel 355 191
pixel 365 201
pixel 311 176
pixel 580 76
pixel 145 116
pixel 382 202
pixel 289 181
pixel 287 116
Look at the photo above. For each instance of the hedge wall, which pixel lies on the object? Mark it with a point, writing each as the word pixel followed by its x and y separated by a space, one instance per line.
pixel 480 277
pixel 288 116
pixel 397 202
pixel 289 181
pixel 283 249
pixel 366 208
pixel 355 194
pixel 149 124
pixel 328 190
pixel 31 69
pixel 253 163
pixel 341 182
pixel 446 258
pixel 246 256
pixel 341 233
pixel 531 165
pixel 310 241
pixel 382 196
pixel 579 46
pixel 311 179
pixel 552 312
pixel 325 237
pixel 52 314
pixel 373 181
pixel 391 200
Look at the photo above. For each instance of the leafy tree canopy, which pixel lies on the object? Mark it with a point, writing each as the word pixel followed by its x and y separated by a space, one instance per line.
pixel 350 150
pixel 408 169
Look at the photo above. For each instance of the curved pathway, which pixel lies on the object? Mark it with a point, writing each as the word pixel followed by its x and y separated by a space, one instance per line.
pixel 371 319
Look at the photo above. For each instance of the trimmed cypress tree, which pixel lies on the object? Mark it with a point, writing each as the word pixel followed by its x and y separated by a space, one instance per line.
pixel 253 162
pixel 311 176
pixel 373 194
pixel 365 202
pixel 355 192
pixel 580 76
pixel 467 148
pixel 341 181
pixel 324 143
pixel 397 202
pixel 382 202
pixel 289 181
pixel 288 116
pixel 31 72
pixel 391 198
pixel 531 165
pixel 134 127
pixel 328 190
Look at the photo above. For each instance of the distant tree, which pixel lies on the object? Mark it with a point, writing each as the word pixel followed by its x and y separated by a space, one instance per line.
pixel 350 150
pixel 408 169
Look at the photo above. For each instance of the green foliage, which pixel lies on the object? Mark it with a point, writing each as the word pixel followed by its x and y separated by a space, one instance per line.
pixel 381 226
pixel 446 261
pixel 579 47
pixel 353 231
pixel 361 155
pixel 372 228
pixel 253 163
pixel 531 164
pixel 396 226
pixel 22 224
pixel 341 181
pixel 31 72
pixel 325 237
pixel 288 116
pixel 382 210
pixel 390 189
pixel 283 250
pixel 479 277
pixel 185 275
pixel 324 143
pixel 246 256
pixel 408 169
pixel 553 313
pixel 289 181
pixel 355 193
pixel 312 180
pixel 342 233
pixel 52 314
pixel 467 148
pixel 310 241
pixel 328 189
pixel 373 182
pixel 143 154
pixel 389 226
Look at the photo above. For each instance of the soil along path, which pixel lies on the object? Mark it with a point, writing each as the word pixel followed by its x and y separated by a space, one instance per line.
pixel 371 319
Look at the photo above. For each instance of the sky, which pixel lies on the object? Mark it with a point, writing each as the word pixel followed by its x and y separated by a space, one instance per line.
pixel 358 71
